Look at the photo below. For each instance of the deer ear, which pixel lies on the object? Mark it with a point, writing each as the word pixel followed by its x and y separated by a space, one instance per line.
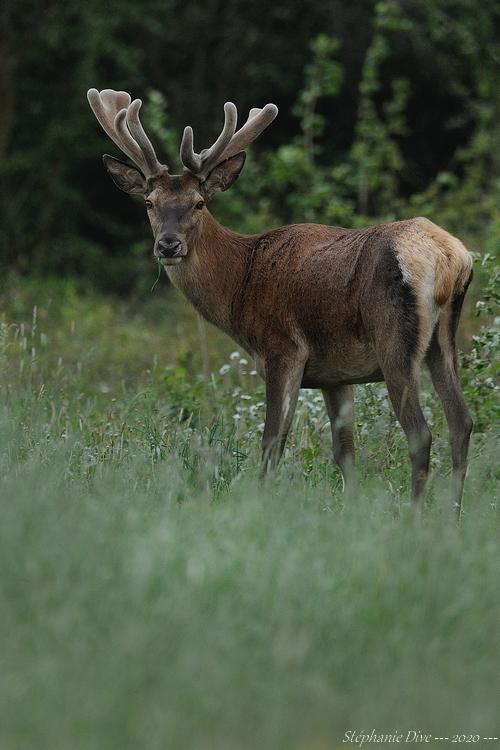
pixel 223 175
pixel 125 176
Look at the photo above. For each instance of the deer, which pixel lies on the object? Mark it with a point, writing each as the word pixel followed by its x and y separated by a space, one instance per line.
pixel 316 306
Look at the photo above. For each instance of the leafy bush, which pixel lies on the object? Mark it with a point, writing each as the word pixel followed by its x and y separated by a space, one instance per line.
pixel 388 109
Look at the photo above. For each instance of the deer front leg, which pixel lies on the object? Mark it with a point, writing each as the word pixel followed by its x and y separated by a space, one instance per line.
pixel 283 377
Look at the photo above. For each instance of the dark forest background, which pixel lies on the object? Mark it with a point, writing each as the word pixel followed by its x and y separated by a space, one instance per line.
pixel 387 109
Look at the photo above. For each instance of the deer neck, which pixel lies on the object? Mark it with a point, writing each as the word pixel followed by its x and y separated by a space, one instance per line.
pixel 213 271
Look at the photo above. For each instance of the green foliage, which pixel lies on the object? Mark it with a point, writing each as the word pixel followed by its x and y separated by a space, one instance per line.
pixel 160 126
pixel 387 109
pixel 322 78
pixel 482 361
pixel 376 157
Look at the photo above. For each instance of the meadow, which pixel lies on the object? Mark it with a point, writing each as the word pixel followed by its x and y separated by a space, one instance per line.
pixel 154 594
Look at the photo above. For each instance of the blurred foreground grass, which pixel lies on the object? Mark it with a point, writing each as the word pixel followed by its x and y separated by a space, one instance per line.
pixel 154 595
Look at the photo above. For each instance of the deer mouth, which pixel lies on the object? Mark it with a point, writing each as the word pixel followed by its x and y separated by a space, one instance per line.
pixel 171 261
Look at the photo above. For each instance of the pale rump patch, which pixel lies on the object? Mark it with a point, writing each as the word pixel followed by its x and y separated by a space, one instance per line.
pixel 436 265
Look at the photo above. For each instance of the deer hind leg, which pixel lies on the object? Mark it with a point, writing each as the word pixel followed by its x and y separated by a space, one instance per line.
pixel 402 338
pixel 441 360
pixel 401 357
pixel 339 402
pixel 283 377
pixel 404 394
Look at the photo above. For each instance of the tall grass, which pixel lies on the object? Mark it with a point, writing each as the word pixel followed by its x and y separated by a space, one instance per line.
pixel 154 595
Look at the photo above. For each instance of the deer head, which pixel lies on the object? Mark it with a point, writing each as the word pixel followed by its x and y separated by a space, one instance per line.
pixel 176 204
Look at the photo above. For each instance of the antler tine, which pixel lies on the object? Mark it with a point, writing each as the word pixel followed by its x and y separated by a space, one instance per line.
pixel 103 113
pixel 258 120
pixel 145 145
pixel 119 118
pixel 189 158
pixel 201 164
pixel 210 156
pixel 229 142
pixel 125 140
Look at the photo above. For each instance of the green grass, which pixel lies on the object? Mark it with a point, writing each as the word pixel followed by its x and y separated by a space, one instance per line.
pixel 154 595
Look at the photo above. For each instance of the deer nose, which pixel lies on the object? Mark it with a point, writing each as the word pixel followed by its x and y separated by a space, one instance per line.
pixel 169 247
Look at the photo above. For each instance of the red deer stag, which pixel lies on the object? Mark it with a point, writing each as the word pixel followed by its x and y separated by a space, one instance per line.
pixel 317 306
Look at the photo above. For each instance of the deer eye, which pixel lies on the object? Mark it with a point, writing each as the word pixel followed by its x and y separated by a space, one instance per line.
pixel 148 205
pixel 200 204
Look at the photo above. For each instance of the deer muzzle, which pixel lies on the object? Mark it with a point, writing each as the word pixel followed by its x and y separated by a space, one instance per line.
pixel 170 249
